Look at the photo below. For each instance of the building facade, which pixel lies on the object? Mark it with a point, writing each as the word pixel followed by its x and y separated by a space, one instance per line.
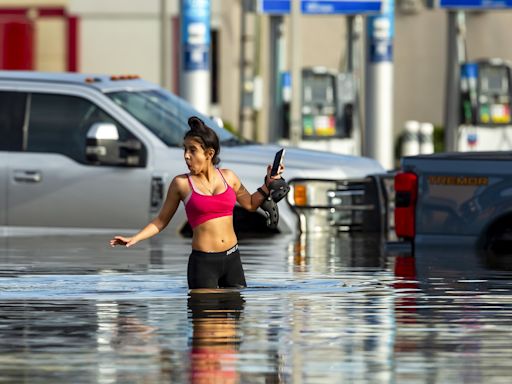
pixel 132 36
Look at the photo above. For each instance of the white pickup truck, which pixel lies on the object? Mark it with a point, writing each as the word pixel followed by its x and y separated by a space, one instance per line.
pixel 59 171
pixel 455 199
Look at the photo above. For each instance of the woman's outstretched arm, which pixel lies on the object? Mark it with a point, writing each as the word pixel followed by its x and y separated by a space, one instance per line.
pixel 158 223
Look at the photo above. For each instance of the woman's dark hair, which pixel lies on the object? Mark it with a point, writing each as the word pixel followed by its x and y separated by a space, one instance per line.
pixel 205 135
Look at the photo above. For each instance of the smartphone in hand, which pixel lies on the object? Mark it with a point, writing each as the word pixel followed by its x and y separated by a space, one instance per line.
pixel 278 160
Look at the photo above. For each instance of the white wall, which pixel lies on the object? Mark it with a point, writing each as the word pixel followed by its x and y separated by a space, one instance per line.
pixel 120 36
pixel 419 67
pixel 116 8
pixel 420 58
pixel 118 47
pixel 50 44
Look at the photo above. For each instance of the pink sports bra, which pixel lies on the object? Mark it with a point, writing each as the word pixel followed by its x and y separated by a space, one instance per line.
pixel 200 208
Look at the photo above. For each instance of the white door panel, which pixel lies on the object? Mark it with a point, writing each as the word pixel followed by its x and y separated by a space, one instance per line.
pixel 53 190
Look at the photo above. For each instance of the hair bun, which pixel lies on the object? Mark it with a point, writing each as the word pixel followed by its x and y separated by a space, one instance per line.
pixel 195 123
pixel 204 135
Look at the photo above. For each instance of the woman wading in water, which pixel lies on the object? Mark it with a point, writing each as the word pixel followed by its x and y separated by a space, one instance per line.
pixel 209 195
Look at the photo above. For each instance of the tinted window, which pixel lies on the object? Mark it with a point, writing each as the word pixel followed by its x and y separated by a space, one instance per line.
pixel 165 115
pixel 156 111
pixel 12 111
pixel 59 124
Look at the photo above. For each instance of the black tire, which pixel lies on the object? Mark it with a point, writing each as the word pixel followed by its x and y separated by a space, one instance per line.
pixel 499 241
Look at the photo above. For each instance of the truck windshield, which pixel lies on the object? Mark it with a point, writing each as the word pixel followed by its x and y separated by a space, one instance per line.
pixel 165 115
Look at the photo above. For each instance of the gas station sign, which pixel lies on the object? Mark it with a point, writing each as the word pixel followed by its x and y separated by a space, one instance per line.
pixel 195 34
pixel 321 7
pixel 475 4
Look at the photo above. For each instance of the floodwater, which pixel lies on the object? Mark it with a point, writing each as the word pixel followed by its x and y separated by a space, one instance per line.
pixel 318 309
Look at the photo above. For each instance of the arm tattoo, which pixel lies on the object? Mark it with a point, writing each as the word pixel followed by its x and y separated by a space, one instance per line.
pixel 242 189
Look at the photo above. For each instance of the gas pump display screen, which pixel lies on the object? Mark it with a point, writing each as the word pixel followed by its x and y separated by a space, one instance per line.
pixel 320 89
pixel 319 105
pixel 494 80
pixel 494 95
pixel 495 84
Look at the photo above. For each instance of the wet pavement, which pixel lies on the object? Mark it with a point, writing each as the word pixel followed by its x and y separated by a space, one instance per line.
pixel 318 309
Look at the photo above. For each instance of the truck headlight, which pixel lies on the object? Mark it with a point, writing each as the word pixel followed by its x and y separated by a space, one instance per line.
pixel 310 193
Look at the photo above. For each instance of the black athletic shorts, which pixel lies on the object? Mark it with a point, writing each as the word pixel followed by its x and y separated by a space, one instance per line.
pixel 216 269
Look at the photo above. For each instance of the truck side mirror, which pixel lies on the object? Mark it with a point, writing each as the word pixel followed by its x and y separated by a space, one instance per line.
pixel 103 147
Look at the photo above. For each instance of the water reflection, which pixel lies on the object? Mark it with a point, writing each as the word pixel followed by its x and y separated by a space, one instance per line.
pixel 215 339
pixel 319 309
pixel 129 345
pixel 329 319
pixel 453 314
pixel 325 251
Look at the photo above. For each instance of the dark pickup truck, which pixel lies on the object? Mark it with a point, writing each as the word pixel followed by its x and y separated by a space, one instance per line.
pixel 460 198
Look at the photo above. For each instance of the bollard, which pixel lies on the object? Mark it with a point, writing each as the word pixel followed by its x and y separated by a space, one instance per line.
pixel 410 138
pixel 426 138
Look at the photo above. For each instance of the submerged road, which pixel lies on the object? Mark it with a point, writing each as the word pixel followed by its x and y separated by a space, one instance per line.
pixel 318 309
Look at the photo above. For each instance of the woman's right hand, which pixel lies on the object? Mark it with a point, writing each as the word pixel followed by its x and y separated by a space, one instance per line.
pixel 120 240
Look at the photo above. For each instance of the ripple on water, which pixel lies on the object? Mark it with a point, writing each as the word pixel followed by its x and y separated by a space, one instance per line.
pixel 113 286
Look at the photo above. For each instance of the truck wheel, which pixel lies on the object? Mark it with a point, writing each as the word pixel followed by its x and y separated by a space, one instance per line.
pixel 251 224
pixel 499 241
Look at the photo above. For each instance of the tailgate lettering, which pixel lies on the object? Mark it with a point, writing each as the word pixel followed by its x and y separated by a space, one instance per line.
pixel 458 180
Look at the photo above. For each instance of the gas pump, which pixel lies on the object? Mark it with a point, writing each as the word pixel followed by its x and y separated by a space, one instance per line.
pixel 318 104
pixel 328 100
pixel 486 103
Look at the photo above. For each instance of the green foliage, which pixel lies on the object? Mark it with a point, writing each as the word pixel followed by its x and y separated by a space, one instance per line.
pixel 228 126
pixel 438 143
pixel 438 139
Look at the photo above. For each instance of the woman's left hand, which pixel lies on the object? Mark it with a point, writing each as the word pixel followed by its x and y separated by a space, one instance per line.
pixel 269 178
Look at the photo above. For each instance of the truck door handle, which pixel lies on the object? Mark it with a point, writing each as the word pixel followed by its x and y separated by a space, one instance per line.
pixel 27 176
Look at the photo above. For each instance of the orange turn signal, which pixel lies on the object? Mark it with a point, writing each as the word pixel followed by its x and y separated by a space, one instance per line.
pixel 300 195
pixel 90 80
pixel 124 77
